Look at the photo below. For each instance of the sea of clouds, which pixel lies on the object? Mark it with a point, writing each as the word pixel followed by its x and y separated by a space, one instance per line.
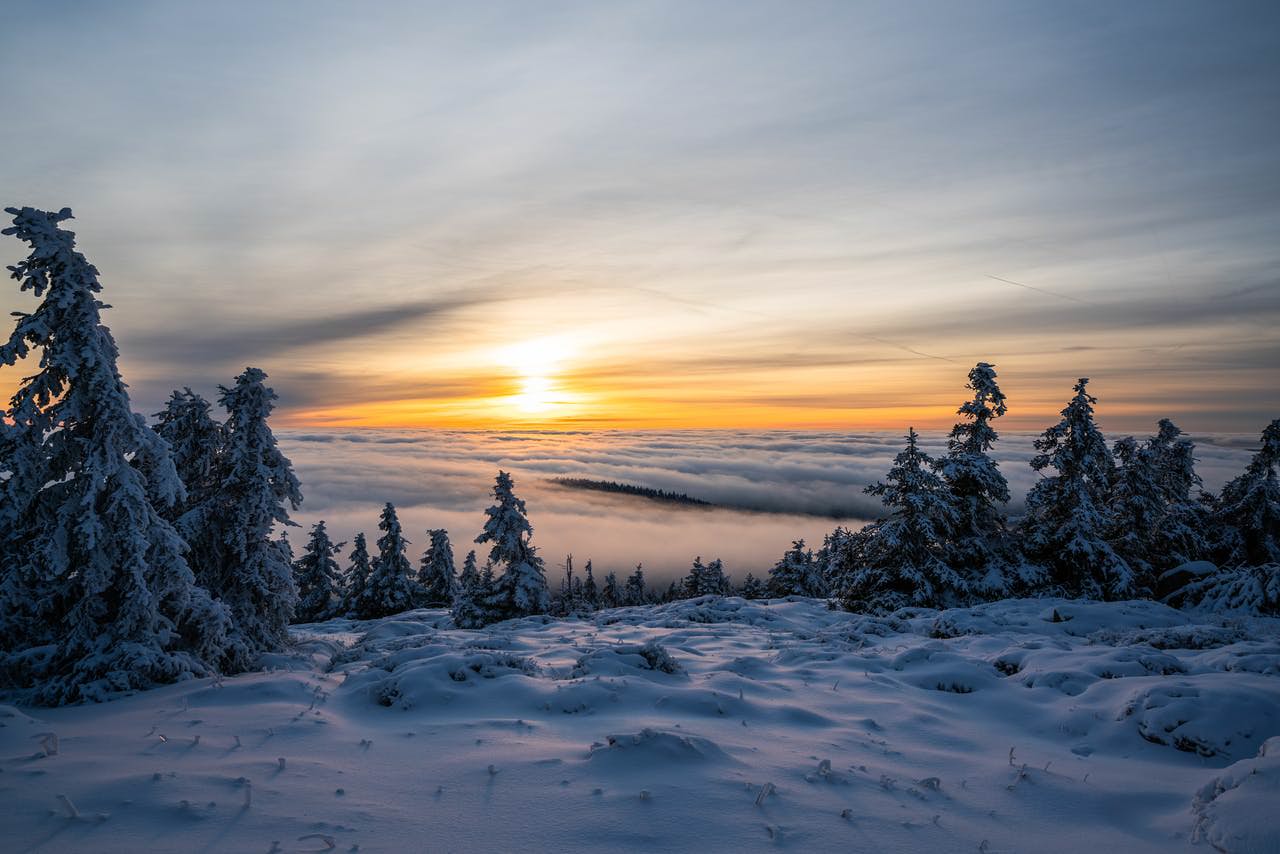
pixel 776 487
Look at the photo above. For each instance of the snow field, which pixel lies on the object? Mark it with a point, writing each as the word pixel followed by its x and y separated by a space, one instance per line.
pixel 713 724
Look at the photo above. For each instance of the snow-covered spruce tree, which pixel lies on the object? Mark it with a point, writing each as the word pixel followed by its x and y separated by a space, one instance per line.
pixel 1183 535
pixel 978 545
pixel 633 592
pixel 359 571
pixel 196 441
pixel 753 588
pixel 904 557
pixel 841 554
pixel 693 581
pixel 1155 523
pixel 521 590
pixel 248 571
pixel 391 586
pixel 797 574
pixel 610 596
pixel 1065 525
pixel 437 576
pixel 1249 507
pixel 714 581
pixel 318 579
pixel 590 593
pixel 466 610
pixel 95 594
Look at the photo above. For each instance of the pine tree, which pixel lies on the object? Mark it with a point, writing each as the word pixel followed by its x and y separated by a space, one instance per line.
pixel 797 574
pixel 355 598
pixel 1065 524
pixel 633 591
pixel 247 570
pixel 91 570
pixel 1249 507
pixel 590 594
pixel 1135 508
pixel 977 546
pixel 436 575
pixel 467 613
pixel 693 583
pixel 611 596
pixel 196 442
pixel 903 559
pixel 521 590
pixel 673 592
pixel 1183 535
pixel 390 589
pixel 754 588
pixel 713 581
pixel 1156 524
pixel 318 579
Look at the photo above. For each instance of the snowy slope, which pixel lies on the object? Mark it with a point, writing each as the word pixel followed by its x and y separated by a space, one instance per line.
pixel 713 724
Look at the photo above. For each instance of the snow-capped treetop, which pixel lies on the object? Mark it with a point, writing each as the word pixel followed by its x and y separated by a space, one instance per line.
pixel 357 583
pixel 797 574
pixel 390 589
pixel 976 435
pixel 1075 446
pixel 506 525
pixel 470 577
pixel 317 576
pixel 436 575
pixel 195 440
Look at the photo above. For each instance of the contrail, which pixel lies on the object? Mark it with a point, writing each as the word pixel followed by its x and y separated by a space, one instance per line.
pixel 1037 290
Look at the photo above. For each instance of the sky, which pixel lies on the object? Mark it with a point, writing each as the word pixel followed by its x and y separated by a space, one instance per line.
pixel 786 215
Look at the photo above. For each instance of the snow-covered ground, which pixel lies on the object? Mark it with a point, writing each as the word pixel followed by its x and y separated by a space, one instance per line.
pixel 708 725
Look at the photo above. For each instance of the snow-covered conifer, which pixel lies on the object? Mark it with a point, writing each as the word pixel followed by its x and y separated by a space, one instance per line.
pixel 753 588
pixel 195 440
pixel 1065 525
pixel 436 575
pixel 797 574
pixel 354 600
pixel 693 581
pixel 390 589
pixel 91 570
pixel 521 590
pixel 713 581
pixel 467 613
pixel 248 571
pixel 977 545
pixel 590 593
pixel 904 558
pixel 633 592
pixel 611 595
pixel 1249 507
pixel 318 579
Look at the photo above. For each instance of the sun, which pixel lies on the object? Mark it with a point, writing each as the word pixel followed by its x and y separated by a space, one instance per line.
pixel 536 363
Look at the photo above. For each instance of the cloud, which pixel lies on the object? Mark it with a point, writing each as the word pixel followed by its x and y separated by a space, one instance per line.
pixel 444 478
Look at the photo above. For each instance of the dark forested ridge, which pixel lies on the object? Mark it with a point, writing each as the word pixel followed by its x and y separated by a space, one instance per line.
pixel 631 489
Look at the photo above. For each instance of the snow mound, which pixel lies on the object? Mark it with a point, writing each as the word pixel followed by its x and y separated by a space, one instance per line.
pixel 658 747
pixel 1211 717
pixel 1235 811
pixel 619 660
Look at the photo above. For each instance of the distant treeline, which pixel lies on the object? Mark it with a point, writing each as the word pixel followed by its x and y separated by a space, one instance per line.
pixel 630 489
